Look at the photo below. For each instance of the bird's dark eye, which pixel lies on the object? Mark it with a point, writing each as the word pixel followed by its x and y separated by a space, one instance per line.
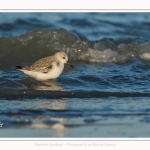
pixel 63 57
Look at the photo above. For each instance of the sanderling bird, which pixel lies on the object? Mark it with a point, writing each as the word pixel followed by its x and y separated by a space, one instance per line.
pixel 47 68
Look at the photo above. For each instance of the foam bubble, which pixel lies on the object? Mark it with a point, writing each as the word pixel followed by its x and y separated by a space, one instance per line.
pixel 145 56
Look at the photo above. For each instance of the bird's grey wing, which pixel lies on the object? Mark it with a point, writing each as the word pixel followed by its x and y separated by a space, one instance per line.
pixel 43 65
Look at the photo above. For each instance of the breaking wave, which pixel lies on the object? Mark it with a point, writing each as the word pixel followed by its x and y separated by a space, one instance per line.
pixel 41 43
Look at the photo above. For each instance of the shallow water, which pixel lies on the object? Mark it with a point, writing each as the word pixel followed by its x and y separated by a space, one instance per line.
pixel 106 94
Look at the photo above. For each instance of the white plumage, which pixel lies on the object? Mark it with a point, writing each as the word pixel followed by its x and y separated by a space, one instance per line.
pixel 46 68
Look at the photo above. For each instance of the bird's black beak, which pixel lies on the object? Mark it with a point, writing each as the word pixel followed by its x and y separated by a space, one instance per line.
pixel 70 64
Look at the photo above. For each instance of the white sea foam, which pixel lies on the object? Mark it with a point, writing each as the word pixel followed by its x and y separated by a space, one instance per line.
pixel 41 43
pixel 145 56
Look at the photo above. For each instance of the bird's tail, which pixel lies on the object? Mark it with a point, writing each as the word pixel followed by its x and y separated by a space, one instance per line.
pixel 23 67
pixel 19 67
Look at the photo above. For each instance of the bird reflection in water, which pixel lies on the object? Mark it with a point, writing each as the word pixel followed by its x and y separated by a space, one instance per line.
pixel 41 85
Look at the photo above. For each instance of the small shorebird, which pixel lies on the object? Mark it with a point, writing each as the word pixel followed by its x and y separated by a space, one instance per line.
pixel 47 68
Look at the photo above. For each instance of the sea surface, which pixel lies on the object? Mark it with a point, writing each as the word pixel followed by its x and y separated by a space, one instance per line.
pixel 107 94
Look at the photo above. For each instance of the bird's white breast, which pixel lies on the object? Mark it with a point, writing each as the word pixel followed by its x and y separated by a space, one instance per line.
pixel 51 74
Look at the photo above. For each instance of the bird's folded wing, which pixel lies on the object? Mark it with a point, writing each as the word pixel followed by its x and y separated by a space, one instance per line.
pixel 42 65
